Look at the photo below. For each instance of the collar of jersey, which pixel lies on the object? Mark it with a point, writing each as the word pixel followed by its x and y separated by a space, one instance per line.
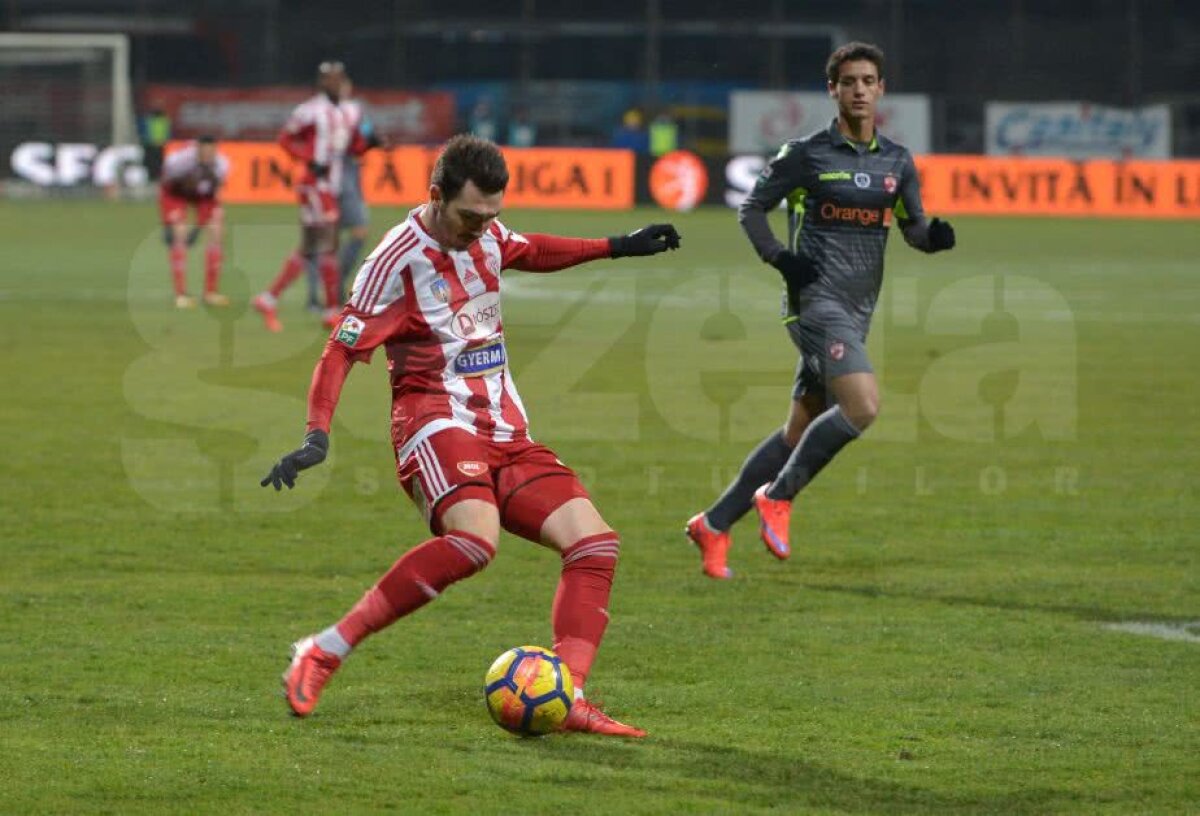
pixel 422 232
pixel 840 138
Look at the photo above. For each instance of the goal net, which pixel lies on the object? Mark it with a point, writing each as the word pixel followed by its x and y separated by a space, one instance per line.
pixel 64 88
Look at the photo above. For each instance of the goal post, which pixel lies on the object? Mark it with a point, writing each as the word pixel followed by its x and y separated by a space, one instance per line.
pixel 65 88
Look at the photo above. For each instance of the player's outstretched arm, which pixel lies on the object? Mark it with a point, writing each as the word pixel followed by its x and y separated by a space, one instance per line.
pixel 649 240
pixel 549 253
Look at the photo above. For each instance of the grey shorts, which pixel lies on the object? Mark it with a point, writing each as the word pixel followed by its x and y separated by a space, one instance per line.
pixel 827 350
pixel 352 210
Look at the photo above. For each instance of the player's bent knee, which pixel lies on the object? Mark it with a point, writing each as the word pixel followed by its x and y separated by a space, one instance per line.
pixel 864 413
pixel 573 520
pixel 477 550
pixel 475 516
pixel 594 552
pixel 793 431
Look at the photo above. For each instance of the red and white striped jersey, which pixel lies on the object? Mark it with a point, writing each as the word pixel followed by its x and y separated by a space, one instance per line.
pixel 437 315
pixel 183 175
pixel 323 131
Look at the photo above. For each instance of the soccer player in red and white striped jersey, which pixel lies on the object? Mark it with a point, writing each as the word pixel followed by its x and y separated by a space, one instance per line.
pixel 192 177
pixel 320 133
pixel 430 296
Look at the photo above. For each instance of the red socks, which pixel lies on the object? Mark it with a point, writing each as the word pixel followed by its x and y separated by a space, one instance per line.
pixel 415 580
pixel 291 270
pixel 212 268
pixel 178 255
pixel 579 615
pixel 331 277
pixel 580 612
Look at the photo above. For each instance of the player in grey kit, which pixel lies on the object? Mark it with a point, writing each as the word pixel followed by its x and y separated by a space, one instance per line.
pixel 842 186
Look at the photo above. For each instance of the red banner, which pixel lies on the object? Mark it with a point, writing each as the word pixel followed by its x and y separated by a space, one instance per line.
pixel 259 113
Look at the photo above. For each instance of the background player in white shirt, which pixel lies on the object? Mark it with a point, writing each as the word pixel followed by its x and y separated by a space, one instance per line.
pixel 319 133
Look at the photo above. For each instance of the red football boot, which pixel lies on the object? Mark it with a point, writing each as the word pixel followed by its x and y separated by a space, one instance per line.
pixel 310 670
pixel 266 308
pixel 713 546
pixel 774 519
pixel 588 718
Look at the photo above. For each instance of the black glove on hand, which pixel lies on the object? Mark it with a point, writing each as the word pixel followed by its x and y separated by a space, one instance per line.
pixel 941 235
pixel 318 170
pixel 649 240
pixel 797 270
pixel 312 452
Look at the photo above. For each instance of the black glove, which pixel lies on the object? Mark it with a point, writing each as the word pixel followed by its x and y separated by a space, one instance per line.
pixel 318 170
pixel 798 273
pixel 312 452
pixel 941 235
pixel 649 240
pixel 797 270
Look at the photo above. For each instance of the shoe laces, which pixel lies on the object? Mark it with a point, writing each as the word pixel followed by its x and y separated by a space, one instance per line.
pixel 322 667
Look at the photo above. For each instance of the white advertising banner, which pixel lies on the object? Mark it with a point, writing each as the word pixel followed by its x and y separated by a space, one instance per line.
pixel 1077 130
pixel 760 121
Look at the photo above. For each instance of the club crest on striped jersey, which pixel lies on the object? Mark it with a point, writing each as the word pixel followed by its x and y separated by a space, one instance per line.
pixel 349 330
pixel 472 468
pixel 889 184
pixel 492 264
pixel 837 351
pixel 440 289
pixel 479 318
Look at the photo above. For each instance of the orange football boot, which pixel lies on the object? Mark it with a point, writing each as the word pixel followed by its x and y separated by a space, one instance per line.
pixel 269 315
pixel 589 718
pixel 774 518
pixel 713 546
pixel 310 670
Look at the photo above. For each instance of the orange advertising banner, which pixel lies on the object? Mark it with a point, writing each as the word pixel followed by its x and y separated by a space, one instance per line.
pixel 983 185
pixel 601 179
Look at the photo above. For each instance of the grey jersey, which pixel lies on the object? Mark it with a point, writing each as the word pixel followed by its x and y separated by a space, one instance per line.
pixel 841 196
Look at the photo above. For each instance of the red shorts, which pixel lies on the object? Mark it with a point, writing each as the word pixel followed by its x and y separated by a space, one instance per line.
pixel 318 205
pixel 173 208
pixel 525 480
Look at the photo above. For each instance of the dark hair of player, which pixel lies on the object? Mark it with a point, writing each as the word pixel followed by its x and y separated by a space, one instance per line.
pixel 467 157
pixel 206 138
pixel 850 52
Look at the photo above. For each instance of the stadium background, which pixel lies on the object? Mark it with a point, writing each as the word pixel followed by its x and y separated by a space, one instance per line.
pixel 994 602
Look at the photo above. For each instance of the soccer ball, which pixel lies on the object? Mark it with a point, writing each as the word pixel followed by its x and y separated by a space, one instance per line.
pixel 529 691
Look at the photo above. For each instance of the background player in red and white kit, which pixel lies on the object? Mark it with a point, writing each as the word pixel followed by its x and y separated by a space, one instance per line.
pixel 192 177
pixel 430 295
pixel 320 133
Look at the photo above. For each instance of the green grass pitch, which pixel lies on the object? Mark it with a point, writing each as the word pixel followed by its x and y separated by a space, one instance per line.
pixel 939 642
